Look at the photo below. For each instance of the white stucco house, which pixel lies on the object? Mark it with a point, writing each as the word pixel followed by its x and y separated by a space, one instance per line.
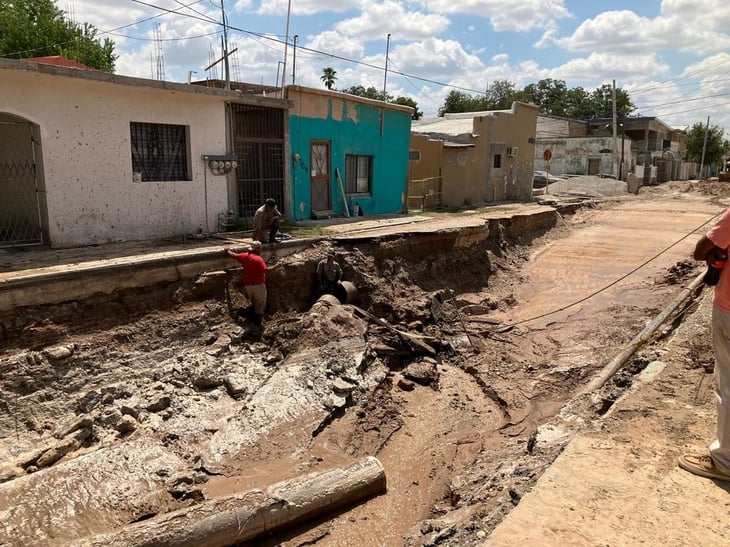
pixel 88 157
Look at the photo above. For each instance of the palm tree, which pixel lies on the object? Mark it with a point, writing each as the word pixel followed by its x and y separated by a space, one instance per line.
pixel 329 75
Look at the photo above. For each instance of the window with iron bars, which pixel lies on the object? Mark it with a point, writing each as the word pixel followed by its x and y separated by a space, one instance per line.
pixel 358 174
pixel 159 152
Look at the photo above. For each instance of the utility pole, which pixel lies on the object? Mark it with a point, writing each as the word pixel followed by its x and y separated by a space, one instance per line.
pixel 294 61
pixel 385 86
pixel 614 155
pixel 286 43
pixel 385 77
pixel 225 48
pixel 704 146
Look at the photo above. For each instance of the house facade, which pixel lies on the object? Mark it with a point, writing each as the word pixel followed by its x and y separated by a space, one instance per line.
pixel 644 146
pixel 348 154
pixel 88 157
pixel 471 158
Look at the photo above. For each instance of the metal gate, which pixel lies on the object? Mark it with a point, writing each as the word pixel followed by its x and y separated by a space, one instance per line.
pixel 258 140
pixel 20 213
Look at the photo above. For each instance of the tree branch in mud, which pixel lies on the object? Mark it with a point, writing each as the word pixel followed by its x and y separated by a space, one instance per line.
pixel 248 515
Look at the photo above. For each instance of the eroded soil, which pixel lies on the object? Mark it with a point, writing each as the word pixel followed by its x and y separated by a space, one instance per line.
pixel 116 411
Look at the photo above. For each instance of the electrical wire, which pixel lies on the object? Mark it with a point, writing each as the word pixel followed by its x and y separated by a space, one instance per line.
pixel 502 327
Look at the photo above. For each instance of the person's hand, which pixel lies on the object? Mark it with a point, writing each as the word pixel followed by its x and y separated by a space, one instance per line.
pixel 716 255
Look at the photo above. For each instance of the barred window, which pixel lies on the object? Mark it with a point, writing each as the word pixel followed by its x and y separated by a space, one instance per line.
pixel 159 152
pixel 358 174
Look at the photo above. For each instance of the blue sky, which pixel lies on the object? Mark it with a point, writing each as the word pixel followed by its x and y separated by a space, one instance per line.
pixel 672 56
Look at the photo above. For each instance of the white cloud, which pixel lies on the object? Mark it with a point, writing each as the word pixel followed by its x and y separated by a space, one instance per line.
pixel 389 16
pixel 506 16
pixel 626 32
pixel 302 7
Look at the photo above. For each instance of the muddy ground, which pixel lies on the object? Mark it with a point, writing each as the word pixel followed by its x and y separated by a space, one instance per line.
pixel 114 411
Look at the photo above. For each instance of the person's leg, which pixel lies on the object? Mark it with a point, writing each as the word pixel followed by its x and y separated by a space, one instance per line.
pixel 257 295
pixel 720 448
pixel 272 231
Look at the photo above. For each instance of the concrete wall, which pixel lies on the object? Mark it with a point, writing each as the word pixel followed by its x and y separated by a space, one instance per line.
pixel 572 156
pixel 468 162
pixel 505 130
pixel 85 132
pixel 425 180
pixel 352 125
pixel 84 127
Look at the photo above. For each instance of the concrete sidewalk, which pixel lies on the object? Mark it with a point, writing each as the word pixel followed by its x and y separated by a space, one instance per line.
pixel 32 276
pixel 618 483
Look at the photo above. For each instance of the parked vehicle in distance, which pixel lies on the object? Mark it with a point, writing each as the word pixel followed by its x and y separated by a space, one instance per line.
pixel 540 179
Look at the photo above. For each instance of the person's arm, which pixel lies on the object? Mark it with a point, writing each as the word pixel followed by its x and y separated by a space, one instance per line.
pixel 709 252
pixel 230 252
pixel 274 267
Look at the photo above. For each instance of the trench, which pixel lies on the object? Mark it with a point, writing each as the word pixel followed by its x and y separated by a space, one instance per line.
pixel 132 403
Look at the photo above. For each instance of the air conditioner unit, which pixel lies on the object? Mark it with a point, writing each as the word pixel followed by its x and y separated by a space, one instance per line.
pixel 512 150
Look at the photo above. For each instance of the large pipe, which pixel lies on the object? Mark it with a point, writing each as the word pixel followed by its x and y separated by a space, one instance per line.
pixel 244 516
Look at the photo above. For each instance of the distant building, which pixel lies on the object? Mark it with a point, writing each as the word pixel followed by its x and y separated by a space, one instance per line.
pixel 644 146
pixel 472 158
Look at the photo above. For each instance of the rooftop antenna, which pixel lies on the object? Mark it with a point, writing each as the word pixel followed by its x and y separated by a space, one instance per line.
pixel 160 56
pixel 234 64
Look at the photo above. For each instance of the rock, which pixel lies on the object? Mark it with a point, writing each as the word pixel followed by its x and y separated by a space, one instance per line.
pixel 273 357
pixel 126 425
pixel 161 402
pixel 221 346
pixel 88 401
pixel 424 372
pixel 130 410
pixel 406 385
pixel 236 385
pixel 75 424
pixel 342 386
pixel 69 444
pixel 207 380
pixel 58 353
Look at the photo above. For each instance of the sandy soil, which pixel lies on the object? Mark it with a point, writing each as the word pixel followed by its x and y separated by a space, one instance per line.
pixel 132 408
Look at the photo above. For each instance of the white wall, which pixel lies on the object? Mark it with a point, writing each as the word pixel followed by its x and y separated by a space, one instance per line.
pixel 86 149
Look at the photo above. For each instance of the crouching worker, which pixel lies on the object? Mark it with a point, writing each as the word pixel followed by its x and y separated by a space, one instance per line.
pixel 254 278
pixel 266 222
pixel 329 275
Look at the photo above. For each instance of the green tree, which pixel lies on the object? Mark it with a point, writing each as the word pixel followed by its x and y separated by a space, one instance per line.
pixel 368 93
pixel 37 28
pixel 458 101
pixel 500 95
pixel 407 101
pixel 601 101
pixel 329 77
pixel 716 148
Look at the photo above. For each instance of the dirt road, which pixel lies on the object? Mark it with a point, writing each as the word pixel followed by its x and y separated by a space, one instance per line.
pixel 115 418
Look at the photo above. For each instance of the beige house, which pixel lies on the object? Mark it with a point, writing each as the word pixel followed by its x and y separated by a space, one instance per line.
pixel 88 157
pixel 472 158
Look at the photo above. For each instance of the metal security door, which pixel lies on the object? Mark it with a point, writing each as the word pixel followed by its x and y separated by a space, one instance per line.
pixel 320 175
pixel 258 139
pixel 20 214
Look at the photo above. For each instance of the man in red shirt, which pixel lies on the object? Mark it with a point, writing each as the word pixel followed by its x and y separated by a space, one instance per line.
pixel 712 248
pixel 254 277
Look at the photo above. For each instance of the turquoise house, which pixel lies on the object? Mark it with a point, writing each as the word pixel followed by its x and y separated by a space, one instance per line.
pixel 349 155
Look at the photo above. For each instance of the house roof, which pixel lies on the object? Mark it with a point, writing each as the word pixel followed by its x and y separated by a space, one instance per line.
pixel 451 124
pixel 7 66
pixel 59 60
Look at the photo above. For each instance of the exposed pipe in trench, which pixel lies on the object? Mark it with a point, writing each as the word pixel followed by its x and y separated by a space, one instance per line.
pixel 640 339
